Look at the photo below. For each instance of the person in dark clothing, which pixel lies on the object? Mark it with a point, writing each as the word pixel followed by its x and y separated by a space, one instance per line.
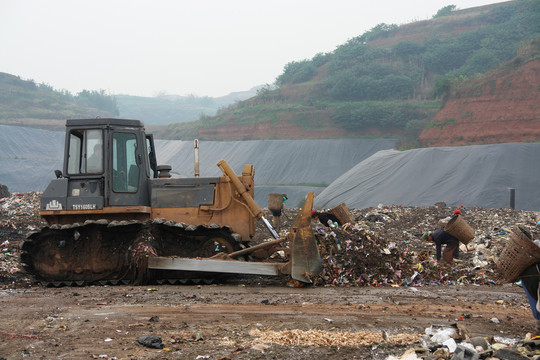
pixel 276 214
pixel 324 217
pixel 440 237
pixel 530 279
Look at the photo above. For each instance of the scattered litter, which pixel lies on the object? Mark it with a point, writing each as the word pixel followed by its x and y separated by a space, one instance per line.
pixel 17 336
pixel 438 334
pixel 410 354
pixel 260 347
pixel 504 341
pixel 150 341
pixel 464 348
pixel 450 344
pixel 465 353
pixel 187 338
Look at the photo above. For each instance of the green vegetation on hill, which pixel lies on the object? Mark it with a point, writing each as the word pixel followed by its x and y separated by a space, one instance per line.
pixel 459 87
pixel 358 70
pixel 391 77
pixel 24 101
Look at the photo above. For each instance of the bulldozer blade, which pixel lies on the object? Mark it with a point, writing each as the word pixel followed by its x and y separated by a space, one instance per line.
pixel 306 261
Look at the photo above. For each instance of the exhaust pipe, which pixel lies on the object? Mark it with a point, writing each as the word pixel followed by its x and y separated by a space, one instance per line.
pixel 196 150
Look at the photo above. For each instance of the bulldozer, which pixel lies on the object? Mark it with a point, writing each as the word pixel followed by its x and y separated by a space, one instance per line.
pixel 115 216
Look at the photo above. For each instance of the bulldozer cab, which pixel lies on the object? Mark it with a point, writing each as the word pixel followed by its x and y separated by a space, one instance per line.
pixel 107 162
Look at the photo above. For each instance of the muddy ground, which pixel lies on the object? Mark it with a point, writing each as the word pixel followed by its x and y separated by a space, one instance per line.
pixel 358 309
pixel 230 321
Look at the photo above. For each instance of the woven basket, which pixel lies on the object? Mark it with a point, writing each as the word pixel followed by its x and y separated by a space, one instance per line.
pixel 343 214
pixel 519 253
pixel 443 222
pixel 275 202
pixel 458 228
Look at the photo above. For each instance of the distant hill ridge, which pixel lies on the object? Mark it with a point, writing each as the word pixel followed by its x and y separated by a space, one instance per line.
pixel 23 102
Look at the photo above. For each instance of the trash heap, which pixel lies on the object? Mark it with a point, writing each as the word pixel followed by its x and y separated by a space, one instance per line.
pixel 19 214
pixel 384 247
pixel 354 256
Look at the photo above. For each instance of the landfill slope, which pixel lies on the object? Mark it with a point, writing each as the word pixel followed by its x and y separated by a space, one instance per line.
pixel 479 175
pixel 28 157
pixel 282 166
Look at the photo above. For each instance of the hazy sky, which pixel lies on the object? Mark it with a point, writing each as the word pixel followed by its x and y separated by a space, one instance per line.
pixel 181 47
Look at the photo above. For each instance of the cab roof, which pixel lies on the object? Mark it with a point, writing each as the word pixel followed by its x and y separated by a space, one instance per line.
pixel 104 122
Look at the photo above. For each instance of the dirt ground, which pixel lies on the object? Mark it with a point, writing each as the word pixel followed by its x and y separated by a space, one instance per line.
pixel 232 320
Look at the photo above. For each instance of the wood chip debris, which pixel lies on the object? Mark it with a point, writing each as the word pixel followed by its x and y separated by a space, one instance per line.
pixel 329 338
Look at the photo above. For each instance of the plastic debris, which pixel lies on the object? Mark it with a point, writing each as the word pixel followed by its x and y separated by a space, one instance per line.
pixel 151 341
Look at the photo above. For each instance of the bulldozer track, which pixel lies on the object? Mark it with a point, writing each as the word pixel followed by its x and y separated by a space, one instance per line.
pixel 102 252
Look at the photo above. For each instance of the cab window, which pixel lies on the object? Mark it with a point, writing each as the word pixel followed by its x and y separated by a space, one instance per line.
pixel 124 162
pixel 85 152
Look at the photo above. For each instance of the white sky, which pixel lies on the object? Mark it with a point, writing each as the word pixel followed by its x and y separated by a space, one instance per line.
pixel 181 47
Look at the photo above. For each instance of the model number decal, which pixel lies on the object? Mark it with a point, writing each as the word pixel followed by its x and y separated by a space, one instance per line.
pixel 84 207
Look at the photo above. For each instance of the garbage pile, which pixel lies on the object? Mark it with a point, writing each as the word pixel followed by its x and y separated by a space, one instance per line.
pixel 19 215
pixel 385 247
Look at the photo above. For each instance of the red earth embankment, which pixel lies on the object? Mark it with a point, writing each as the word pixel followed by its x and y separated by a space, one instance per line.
pixel 505 107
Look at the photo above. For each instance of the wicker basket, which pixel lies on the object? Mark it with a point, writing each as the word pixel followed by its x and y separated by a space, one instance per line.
pixel 275 202
pixel 458 228
pixel 343 214
pixel 519 253
pixel 443 222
